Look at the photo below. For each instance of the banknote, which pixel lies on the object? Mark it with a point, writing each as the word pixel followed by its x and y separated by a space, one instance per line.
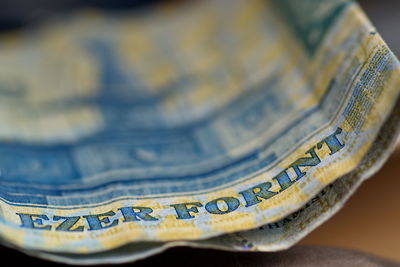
pixel 235 125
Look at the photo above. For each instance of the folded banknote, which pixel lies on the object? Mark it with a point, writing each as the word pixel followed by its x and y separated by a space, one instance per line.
pixel 236 125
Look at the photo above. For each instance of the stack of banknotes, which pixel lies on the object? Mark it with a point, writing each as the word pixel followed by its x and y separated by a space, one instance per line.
pixel 232 124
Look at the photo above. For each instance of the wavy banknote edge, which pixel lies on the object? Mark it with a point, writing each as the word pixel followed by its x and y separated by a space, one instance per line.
pixel 377 155
pixel 384 151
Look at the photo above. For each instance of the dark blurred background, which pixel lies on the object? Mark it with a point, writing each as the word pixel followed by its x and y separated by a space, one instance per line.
pixel 370 221
pixel 18 13
pixel 385 15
